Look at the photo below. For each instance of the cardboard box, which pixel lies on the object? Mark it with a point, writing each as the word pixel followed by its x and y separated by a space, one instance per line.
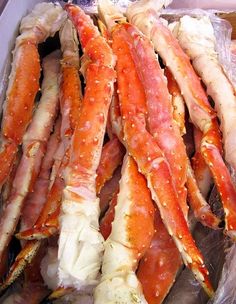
pixel 14 10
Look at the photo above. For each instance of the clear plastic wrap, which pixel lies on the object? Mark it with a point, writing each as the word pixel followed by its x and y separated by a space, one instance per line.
pixel 226 291
pixel 222 31
pixel 187 289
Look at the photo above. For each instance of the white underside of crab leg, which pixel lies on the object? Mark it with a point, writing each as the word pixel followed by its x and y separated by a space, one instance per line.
pixel 119 283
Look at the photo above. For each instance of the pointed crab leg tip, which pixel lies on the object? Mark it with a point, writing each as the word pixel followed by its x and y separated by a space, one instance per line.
pixel 210 220
pixel 24 258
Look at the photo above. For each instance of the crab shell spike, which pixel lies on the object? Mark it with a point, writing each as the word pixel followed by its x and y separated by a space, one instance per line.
pixel 150 158
pixel 127 242
pixel 34 145
pixel 44 21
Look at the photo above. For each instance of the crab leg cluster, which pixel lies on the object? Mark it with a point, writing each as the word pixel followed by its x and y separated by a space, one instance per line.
pixel 148 155
pixel 201 51
pixel 34 145
pixel 200 111
pixel 96 225
pixel 42 22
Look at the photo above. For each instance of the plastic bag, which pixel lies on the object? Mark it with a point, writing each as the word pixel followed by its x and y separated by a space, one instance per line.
pixel 226 291
pixel 187 289
pixel 222 31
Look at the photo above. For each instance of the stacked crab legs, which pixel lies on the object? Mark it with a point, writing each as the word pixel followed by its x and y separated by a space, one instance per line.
pixel 145 138
pixel 142 146
pixel 145 16
pixel 44 21
pixel 98 115
pixel 34 146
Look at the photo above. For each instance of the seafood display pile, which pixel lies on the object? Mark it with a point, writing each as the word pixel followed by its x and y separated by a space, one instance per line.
pixel 110 147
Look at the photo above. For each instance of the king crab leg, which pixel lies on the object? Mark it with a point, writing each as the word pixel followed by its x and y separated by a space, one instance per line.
pixel 36 199
pixel 42 22
pixel 48 221
pixel 34 144
pixel 127 243
pixel 200 207
pixel 177 102
pixel 80 207
pixel 70 101
pixel 201 170
pixel 201 113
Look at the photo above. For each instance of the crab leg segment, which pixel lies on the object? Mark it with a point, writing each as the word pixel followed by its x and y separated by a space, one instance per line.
pixel 177 101
pixel 47 222
pixel 160 119
pixel 70 104
pixel 200 207
pixel 80 207
pixel 201 170
pixel 128 241
pixel 42 22
pixel 159 266
pixel 201 114
pixel 111 158
pixel 200 45
pixel 150 159
pixel 34 144
pixel 36 199
pixel 22 260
